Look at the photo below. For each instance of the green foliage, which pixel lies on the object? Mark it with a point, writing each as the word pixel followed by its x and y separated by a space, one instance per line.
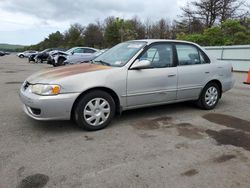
pixel 116 30
pixel 93 36
pixel 231 32
pixel 10 47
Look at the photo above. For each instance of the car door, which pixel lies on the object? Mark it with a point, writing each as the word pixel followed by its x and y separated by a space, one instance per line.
pixel 193 71
pixel 157 84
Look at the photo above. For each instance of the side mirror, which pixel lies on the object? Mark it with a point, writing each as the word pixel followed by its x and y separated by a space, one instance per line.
pixel 141 64
pixel 72 52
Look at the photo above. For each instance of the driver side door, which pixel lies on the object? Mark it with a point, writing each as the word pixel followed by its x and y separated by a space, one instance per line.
pixel 157 83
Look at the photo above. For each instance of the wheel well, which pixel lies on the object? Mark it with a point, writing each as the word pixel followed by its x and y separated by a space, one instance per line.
pixel 108 90
pixel 218 83
pixel 61 57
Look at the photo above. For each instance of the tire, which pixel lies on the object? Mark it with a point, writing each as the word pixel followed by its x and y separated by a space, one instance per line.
pixel 60 61
pixel 209 102
pixel 39 60
pixel 90 116
pixel 21 56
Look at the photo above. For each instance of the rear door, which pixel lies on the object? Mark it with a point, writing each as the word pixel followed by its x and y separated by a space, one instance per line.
pixel 193 70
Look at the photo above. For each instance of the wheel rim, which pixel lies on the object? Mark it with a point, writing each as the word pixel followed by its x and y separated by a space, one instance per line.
pixel 211 96
pixel 96 111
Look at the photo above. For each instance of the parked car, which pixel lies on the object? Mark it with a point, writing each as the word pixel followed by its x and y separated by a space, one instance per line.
pixel 130 75
pixel 43 55
pixel 27 53
pixel 2 53
pixel 58 58
pixel 83 59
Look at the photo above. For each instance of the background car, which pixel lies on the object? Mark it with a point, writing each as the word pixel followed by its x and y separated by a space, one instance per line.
pixel 27 53
pixel 83 59
pixel 2 53
pixel 58 58
pixel 43 55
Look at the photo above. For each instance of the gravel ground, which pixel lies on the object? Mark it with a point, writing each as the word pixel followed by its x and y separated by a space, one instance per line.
pixel 175 145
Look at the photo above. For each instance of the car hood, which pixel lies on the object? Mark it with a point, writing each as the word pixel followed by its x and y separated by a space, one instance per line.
pixel 52 74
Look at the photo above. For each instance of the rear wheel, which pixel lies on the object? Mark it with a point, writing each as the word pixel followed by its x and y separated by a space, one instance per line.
pixel 210 96
pixel 21 56
pixel 95 110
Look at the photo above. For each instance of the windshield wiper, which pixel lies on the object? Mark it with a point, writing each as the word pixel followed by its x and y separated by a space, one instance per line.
pixel 102 62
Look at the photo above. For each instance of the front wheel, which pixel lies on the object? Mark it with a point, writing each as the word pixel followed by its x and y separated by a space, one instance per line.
pixel 209 97
pixel 95 110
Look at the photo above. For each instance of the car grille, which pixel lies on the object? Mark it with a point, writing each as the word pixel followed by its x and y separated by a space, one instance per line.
pixel 26 85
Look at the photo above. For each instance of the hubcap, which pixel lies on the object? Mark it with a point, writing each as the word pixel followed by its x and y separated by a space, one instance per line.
pixel 211 96
pixel 96 111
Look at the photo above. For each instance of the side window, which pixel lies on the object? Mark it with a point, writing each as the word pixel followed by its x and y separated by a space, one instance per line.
pixel 160 55
pixel 188 54
pixel 86 50
pixel 79 50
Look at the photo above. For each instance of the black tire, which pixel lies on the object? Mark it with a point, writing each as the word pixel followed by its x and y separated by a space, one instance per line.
pixel 60 61
pixel 202 100
pixel 21 56
pixel 82 105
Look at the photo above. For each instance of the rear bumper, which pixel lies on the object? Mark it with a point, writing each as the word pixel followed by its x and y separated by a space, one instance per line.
pixel 228 84
pixel 56 107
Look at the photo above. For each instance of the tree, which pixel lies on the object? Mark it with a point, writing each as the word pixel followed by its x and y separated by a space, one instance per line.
pixel 211 12
pixel 93 35
pixel 112 33
pixel 74 36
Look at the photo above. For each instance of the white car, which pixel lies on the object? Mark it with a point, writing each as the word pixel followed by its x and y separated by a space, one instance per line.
pixel 26 53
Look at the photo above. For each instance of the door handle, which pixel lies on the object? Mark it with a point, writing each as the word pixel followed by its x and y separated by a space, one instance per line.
pixel 207 72
pixel 171 75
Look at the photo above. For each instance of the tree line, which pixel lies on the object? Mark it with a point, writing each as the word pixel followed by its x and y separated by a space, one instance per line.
pixel 206 22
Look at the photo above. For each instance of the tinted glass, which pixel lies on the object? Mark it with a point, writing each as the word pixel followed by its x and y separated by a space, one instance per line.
pixel 187 54
pixel 160 55
pixel 79 50
pixel 86 50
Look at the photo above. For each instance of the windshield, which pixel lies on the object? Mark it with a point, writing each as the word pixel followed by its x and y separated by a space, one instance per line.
pixel 120 54
pixel 70 50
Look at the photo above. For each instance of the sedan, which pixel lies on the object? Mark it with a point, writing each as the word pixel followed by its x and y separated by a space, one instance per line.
pixel 27 53
pixel 130 75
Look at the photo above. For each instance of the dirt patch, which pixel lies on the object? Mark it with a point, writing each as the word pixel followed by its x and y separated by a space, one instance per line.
pixel 190 172
pixel 146 136
pixel 10 71
pixel 228 121
pixel 223 158
pixel 231 137
pixel 34 181
pixel 189 131
pixel 13 82
pixel 151 124
pixel 87 138
pixel 181 145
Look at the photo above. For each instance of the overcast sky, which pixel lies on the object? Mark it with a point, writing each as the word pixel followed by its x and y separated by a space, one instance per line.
pixel 30 21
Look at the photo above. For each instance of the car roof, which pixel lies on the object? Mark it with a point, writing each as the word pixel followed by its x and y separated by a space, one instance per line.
pixel 150 41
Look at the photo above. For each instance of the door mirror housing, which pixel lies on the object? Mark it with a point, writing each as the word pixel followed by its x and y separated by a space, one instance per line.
pixel 72 53
pixel 141 64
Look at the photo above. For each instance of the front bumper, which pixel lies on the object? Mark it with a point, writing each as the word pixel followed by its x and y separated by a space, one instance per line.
pixel 57 107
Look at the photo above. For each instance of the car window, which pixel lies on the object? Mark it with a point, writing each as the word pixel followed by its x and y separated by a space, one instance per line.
pixel 79 50
pixel 189 55
pixel 160 55
pixel 86 50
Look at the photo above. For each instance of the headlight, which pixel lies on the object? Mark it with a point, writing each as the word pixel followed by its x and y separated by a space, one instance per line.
pixel 44 89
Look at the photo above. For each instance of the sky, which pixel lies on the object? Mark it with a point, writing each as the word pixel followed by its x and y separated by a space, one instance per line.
pixel 30 21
